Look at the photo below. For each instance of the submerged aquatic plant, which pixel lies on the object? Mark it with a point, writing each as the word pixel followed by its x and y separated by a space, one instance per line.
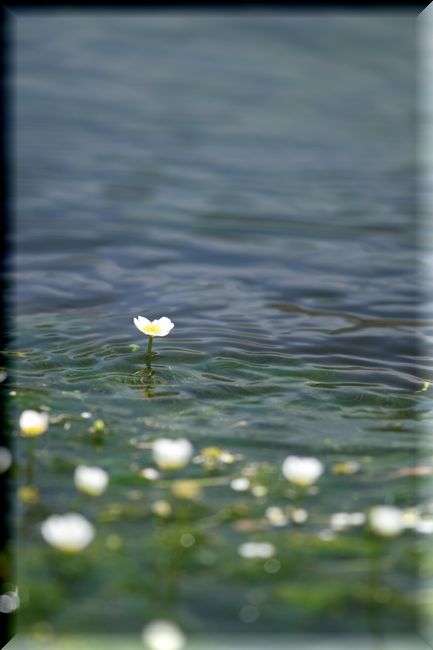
pixel 158 327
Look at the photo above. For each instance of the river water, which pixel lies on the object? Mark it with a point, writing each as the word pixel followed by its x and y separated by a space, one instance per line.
pixel 251 176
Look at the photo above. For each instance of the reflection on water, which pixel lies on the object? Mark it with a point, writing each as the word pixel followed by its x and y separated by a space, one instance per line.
pixel 249 176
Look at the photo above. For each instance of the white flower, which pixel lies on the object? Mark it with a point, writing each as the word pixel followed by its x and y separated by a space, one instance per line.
pixel 172 454
pixel 161 508
pixel 9 602
pixel 299 516
pixel 90 480
pixel 259 490
pixel 276 516
pixel 341 520
pixel 159 327
pixel 150 473
pixel 5 459
pixel 424 526
pixel 386 521
pixel 302 471
pixel 357 518
pixel 262 550
pixel 241 484
pixel 69 533
pixel 326 535
pixel 33 423
pixel 163 635
pixel 411 517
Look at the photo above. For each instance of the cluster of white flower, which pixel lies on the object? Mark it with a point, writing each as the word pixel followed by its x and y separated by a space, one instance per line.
pixel 71 532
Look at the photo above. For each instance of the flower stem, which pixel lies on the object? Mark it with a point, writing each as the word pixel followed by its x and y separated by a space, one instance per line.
pixel 149 346
pixel 30 460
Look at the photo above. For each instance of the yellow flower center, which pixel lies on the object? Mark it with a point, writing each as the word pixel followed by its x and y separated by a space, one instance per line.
pixel 152 329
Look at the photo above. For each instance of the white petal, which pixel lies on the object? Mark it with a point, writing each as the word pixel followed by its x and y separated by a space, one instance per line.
pixel 164 321
pixel 165 325
pixel 140 323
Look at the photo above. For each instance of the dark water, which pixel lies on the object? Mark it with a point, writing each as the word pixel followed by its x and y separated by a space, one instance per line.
pixel 251 176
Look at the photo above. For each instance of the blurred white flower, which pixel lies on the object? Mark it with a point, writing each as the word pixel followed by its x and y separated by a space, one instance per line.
pixel 163 635
pixel 9 602
pixel 186 489
pixel 241 484
pixel 299 516
pixel 5 459
pixel 69 533
pixel 262 550
pixel 341 520
pixel 33 423
pixel 424 526
pixel 302 471
pixel 346 467
pixel 161 508
pixel 150 474
pixel 357 518
pixel 90 480
pixel 276 516
pixel 326 535
pixel 259 491
pixel 172 454
pixel 411 517
pixel 386 521
pixel 159 327
pixel 214 457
